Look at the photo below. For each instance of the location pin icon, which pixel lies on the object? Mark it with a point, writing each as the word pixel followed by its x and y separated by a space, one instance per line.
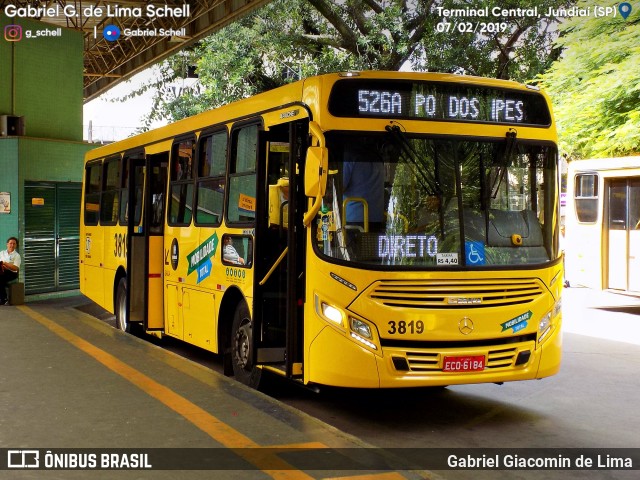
pixel 624 9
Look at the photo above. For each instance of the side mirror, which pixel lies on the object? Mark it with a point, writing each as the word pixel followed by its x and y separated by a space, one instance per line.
pixel 315 172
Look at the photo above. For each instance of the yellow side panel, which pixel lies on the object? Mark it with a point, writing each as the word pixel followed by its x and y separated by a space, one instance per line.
pixel 198 310
pixel 335 360
pixel 91 268
pixel 173 326
pixel 114 255
pixel 94 285
pixel 155 307
pixel 551 353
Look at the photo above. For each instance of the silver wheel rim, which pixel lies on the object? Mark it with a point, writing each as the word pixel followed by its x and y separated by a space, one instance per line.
pixel 122 313
pixel 242 344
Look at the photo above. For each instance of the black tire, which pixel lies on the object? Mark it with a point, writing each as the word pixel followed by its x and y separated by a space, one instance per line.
pixel 120 307
pixel 242 346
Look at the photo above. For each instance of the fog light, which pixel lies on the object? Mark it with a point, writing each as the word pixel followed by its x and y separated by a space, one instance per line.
pixel 400 363
pixel 523 357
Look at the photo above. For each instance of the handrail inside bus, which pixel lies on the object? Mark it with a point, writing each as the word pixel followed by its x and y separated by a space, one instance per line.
pixel 275 265
pixel 316 131
pixel 365 209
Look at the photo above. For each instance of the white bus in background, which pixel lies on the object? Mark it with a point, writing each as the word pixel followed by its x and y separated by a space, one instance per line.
pixel 602 245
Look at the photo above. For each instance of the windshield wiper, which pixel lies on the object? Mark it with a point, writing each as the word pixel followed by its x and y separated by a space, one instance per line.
pixel 505 161
pixel 430 185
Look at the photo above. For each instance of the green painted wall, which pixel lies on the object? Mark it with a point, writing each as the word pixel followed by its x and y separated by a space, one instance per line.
pixel 51 161
pixel 9 222
pixel 5 70
pixel 25 159
pixel 41 79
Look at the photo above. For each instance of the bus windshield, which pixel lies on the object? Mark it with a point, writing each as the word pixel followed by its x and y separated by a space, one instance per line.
pixel 406 200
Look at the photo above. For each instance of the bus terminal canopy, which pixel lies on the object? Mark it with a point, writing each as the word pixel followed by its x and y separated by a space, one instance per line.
pixel 146 31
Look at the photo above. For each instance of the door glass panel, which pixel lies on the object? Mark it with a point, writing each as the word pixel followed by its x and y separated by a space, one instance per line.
pixel 634 234
pixel 634 204
pixel 242 179
pixel 617 223
pixel 158 187
pixel 618 205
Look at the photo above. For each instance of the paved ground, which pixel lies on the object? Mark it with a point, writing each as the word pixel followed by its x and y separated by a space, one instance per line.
pixel 599 314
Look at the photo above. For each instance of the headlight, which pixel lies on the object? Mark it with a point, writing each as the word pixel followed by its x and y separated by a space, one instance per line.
pixel 544 323
pixel 361 332
pixel 361 328
pixel 544 326
pixel 332 313
pixel 358 330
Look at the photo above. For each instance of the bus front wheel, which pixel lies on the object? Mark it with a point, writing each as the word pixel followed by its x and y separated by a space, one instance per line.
pixel 242 348
pixel 122 320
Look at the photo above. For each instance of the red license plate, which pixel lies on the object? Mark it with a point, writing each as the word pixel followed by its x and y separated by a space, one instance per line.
pixel 474 363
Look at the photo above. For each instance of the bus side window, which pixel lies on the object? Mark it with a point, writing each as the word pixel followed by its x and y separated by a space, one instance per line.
pixel 128 159
pixel 124 192
pixel 181 191
pixel 92 184
pixel 242 177
pixel 110 191
pixel 212 166
pixel 237 250
pixel 586 197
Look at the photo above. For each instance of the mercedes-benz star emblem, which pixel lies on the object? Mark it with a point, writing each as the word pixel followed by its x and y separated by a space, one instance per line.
pixel 465 326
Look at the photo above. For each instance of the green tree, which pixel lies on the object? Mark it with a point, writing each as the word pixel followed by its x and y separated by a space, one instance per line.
pixel 271 47
pixel 595 85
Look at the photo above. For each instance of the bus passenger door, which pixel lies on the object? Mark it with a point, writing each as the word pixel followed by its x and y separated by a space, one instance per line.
pixel 623 225
pixel 634 234
pixel 278 296
pixel 145 249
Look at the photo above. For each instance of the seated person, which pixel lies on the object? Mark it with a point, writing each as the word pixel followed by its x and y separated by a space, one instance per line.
pixel 9 267
pixel 229 252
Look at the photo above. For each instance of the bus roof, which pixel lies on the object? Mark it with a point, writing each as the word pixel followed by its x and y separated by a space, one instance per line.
pixel 282 96
pixel 602 164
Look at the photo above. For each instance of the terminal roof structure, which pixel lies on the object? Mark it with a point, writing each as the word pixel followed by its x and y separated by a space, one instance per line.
pixel 108 62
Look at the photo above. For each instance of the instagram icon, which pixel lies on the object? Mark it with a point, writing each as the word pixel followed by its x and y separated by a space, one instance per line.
pixel 13 33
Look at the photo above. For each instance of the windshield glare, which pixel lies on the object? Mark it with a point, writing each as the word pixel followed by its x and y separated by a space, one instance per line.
pixel 398 199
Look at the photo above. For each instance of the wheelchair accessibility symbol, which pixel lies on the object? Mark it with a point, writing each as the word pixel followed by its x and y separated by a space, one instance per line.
pixel 474 253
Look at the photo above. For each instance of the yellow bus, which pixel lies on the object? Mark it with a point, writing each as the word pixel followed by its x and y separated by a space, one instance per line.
pixel 359 229
pixel 603 224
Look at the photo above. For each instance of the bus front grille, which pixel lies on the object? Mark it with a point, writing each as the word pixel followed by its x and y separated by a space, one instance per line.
pixel 452 294
pixel 432 361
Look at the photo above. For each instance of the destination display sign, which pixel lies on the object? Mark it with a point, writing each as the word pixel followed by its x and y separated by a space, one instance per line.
pixel 437 101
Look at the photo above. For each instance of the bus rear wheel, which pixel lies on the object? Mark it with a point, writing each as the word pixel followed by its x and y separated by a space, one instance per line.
pixel 242 348
pixel 122 319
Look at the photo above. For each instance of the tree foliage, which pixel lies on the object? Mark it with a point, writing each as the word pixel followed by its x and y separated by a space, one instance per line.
pixel 291 39
pixel 595 86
